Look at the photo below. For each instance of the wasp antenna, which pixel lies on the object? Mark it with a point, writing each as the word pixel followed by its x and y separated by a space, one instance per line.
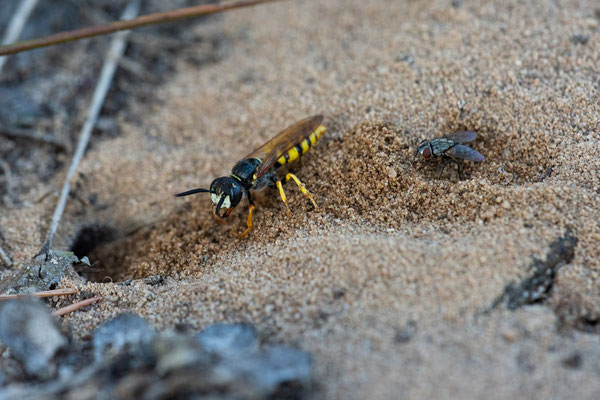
pixel 194 191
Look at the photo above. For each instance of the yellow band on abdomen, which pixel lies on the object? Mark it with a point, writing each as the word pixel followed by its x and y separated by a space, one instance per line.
pixel 301 148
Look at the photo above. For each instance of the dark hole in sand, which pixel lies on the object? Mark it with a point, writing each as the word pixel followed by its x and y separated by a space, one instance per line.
pixel 91 236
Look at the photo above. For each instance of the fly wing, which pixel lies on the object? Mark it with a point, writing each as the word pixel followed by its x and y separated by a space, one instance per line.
pixel 462 151
pixel 462 136
pixel 285 140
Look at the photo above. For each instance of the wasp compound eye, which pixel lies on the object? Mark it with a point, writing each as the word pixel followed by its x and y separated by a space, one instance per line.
pixel 427 153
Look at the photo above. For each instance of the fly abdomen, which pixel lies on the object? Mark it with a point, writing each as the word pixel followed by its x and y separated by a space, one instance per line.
pixel 300 148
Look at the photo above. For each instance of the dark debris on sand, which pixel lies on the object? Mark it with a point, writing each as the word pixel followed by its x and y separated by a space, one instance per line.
pixel 537 287
pixel 45 272
pixel 133 360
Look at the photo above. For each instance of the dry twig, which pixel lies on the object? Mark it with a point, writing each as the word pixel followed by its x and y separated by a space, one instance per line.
pixel 108 70
pixel 45 293
pixel 13 31
pixel 75 306
pixel 145 20
pixel 5 168
pixel 17 133
pixel 5 258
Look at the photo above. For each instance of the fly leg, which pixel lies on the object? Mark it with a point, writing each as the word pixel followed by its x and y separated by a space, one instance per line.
pixel 303 189
pixel 446 160
pixel 457 168
pixel 443 167
pixel 251 207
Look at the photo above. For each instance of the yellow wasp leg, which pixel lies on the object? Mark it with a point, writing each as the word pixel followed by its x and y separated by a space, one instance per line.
pixel 282 194
pixel 250 209
pixel 302 188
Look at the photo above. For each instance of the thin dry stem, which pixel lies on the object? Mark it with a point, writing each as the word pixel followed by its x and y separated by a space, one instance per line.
pixel 10 184
pixel 145 20
pixel 108 70
pixel 5 258
pixel 15 27
pixel 17 133
pixel 45 293
pixel 75 306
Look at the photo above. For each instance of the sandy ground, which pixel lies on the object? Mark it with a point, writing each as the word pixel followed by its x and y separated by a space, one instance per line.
pixel 388 283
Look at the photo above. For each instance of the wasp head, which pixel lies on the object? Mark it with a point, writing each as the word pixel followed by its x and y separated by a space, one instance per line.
pixel 226 193
pixel 424 149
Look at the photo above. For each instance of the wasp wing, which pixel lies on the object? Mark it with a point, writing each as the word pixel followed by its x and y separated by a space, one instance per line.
pixel 462 136
pixel 270 152
pixel 462 151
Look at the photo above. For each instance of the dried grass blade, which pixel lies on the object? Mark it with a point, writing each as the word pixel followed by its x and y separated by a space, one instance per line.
pixel 75 306
pixel 45 293
pixel 145 20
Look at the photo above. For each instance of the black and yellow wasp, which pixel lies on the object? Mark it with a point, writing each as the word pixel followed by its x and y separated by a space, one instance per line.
pixel 256 171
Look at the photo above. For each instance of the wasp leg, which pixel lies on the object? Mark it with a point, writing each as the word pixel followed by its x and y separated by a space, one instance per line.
pixel 303 189
pixel 282 194
pixel 251 208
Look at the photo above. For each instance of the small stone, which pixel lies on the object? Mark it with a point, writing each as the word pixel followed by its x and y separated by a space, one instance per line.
pixel 591 23
pixel 509 335
pixel 574 361
pixel 175 352
pixel 405 58
pixel 506 204
pixel 267 369
pixel 29 330
pixel 154 280
pixel 382 69
pixel 227 340
pixel 580 39
pixel 126 332
pixel 46 272
pixel 405 334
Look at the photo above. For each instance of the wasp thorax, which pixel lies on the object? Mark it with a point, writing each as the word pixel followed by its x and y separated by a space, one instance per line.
pixel 245 169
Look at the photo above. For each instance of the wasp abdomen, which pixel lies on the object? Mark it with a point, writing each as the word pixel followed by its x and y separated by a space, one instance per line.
pixel 300 148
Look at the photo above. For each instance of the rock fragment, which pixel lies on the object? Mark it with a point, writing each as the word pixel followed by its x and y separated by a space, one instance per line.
pixel 30 332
